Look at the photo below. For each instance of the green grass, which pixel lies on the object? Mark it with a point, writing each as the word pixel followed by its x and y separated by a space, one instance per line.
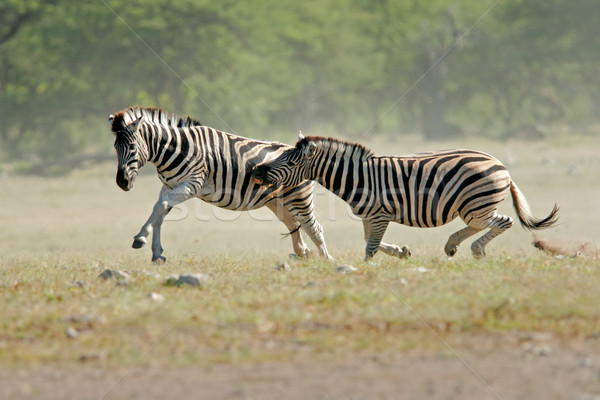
pixel 250 312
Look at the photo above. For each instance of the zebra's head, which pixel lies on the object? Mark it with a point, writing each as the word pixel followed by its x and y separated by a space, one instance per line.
pixel 290 168
pixel 127 144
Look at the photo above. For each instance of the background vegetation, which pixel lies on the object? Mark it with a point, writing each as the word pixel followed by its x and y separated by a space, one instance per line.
pixel 267 68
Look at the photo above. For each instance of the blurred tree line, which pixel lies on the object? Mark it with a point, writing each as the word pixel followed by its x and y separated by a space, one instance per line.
pixel 267 68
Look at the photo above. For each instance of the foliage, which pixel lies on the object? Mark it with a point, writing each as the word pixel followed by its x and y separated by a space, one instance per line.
pixel 269 68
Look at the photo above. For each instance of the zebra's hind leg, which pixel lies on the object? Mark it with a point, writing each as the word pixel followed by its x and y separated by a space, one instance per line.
pixel 498 224
pixel 389 249
pixel 457 238
pixel 298 244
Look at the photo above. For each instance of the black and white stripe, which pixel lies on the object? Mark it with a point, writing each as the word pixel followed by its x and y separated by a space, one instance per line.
pixel 198 161
pixel 422 190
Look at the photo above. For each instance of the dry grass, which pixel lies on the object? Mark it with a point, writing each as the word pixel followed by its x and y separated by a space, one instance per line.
pixel 249 312
pixel 59 234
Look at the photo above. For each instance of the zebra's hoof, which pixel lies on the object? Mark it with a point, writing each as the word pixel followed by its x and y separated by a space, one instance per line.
pixel 138 243
pixel 159 260
pixel 477 250
pixel 450 250
pixel 405 252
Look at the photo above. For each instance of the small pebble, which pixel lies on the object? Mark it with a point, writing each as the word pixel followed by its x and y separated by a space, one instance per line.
pixel 121 277
pixel 586 362
pixel 71 333
pixel 283 267
pixel 157 297
pixel 83 321
pixel 150 274
pixel 196 280
pixel 346 269
pixel 86 357
pixel 421 270
pixel 538 350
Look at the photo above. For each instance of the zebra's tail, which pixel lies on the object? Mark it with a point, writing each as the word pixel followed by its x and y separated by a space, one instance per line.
pixel 524 212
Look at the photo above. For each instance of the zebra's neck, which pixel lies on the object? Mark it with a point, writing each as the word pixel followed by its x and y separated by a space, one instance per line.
pixel 341 167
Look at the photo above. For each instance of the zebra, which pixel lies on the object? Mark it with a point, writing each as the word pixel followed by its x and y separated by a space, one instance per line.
pixel 198 161
pixel 421 190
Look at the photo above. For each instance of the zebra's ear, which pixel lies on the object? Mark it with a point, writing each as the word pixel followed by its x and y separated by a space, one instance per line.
pixel 310 150
pixel 133 126
pixel 300 136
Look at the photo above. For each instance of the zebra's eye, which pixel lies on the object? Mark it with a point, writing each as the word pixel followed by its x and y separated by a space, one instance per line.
pixel 290 163
pixel 132 146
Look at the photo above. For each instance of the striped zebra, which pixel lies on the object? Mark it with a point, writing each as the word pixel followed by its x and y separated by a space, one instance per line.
pixel 198 161
pixel 422 190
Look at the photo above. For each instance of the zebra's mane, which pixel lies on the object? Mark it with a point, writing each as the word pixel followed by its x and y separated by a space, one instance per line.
pixel 337 145
pixel 152 115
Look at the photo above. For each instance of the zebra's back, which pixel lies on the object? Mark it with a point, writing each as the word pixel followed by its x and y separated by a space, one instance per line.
pixel 227 161
pixel 431 189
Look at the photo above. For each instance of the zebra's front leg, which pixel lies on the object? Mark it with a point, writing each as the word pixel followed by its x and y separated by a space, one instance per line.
pixel 394 250
pixel 139 240
pixel 157 248
pixel 167 200
pixel 389 249
pixel 374 231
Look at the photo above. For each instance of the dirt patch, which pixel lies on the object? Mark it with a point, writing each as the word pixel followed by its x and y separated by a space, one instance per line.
pixel 525 369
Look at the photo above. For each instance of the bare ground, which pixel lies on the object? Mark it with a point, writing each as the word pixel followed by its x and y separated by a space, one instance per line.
pixel 524 368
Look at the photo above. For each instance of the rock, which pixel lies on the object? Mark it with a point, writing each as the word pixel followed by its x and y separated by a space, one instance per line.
pixel 71 333
pixel 346 269
pixel 420 270
pixel 87 357
pixel 573 170
pixel 540 351
pixel 195 280
pixel 157 297
pixel 150 274
pixel 122 278
pixel 83 321
pixel 283 267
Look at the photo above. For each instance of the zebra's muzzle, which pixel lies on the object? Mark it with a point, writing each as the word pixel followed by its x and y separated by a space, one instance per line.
pixel 125 180
pixel 259 175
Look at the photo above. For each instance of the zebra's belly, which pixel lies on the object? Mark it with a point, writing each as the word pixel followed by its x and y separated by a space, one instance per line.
pixel 421 222
pixel 232 201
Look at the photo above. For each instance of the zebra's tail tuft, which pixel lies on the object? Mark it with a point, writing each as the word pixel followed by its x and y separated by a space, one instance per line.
pixel 524 212
pixel 291 232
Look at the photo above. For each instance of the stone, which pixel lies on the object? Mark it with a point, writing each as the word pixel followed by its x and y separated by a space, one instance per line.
pixel 346 269
pixel 283 267
pixel 156 297
pixel 120 276
pixel 71 333
pixel 195 280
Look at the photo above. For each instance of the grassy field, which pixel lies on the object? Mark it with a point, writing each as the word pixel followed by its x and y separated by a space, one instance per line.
pixel 59 234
